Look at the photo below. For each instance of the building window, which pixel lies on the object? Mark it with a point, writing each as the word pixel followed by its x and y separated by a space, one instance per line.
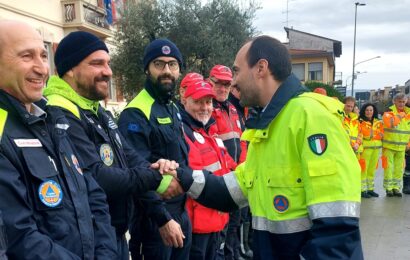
pixel 50 55
pixel 112 95
pixel 316 71
pixel 299 70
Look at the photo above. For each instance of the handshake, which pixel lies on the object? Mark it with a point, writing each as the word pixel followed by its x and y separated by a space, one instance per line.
pixel 169 186
pixel 171 233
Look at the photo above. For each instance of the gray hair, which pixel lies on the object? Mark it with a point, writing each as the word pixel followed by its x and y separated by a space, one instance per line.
pixel 399 96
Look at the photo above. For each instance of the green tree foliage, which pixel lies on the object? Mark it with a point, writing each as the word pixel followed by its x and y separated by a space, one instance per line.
pixel 206 34
pixel 331 91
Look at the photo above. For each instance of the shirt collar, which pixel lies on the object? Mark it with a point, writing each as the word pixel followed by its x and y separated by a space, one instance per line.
pixel 37 111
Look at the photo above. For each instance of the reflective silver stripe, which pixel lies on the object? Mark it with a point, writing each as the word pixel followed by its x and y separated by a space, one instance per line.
pixel 391 130
pixel 281 227
pixel 392 142
pixel 372 147
pixel 213 167
pixel 234 190
pixel 229 135
pixel 198 185
pixel 334 209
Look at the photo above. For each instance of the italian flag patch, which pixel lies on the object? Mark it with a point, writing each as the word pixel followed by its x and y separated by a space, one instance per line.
pixel 318 143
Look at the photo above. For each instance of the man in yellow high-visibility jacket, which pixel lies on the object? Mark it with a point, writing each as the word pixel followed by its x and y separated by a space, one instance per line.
pixel 395 143
pixel 301 179
pixel 352 125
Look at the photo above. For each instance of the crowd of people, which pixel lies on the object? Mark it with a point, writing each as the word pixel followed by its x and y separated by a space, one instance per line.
pixel 385 139
pixel 238 156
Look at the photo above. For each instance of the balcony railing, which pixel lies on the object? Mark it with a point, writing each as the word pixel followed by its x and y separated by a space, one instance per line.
pixel 84 16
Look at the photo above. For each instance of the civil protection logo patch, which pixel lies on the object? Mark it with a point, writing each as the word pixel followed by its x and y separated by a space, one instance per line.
pixel 106 154
pixel 280 203
pixel 50 193
pixel 318 143
pixel 166 49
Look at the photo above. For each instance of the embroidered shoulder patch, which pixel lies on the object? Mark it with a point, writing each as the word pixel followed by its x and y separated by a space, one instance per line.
pixel 318 143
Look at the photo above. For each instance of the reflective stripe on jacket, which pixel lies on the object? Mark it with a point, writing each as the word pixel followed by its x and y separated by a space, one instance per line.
pixel 229 129
pixel 206 152
pixel 287 183
pixel 372 134
pixel 396 137
pixel 352 126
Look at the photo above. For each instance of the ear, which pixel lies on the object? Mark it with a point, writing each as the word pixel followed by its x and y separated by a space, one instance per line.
pixel 70 73
pixel 262 67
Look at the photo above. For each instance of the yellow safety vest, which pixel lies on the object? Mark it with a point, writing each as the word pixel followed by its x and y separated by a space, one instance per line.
pixel 372 134
pixel 397 137
pixel 352 126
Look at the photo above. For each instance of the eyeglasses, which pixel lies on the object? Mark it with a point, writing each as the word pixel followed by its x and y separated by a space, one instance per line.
pixel 225 84
pixel 160 65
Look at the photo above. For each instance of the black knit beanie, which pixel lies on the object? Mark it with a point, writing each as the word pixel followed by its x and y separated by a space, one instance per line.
pixel 74 48
pixel 161 47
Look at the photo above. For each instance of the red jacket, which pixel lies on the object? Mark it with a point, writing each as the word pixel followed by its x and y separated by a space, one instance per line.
pixel 206 152
pixel 229 129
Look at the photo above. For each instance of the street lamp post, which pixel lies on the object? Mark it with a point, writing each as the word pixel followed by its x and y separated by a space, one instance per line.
pixel 363 61
pixel 354 41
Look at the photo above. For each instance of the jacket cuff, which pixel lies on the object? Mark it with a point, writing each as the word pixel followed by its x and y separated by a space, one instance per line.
pixel 165 182
pixel 185 177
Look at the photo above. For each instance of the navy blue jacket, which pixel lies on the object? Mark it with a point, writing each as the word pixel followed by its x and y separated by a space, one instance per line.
pixel 52 208
pixel 121 174
pixel 3 239
pixel 154 141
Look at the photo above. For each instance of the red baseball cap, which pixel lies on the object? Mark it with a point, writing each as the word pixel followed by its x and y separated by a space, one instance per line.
pixel 199 89
pixel 190 78
pixel 320 91
pixel 221 72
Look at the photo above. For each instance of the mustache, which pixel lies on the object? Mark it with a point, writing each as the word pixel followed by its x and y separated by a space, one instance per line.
pixel 103 78
pixel 166 76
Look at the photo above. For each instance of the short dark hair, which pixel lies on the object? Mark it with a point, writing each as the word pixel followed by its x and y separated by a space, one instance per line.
pixel 272 50
pixel 362 114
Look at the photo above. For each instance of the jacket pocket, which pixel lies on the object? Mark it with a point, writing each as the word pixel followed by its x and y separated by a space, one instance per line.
pixel 42 169
pixel 283 177
pixel 322 177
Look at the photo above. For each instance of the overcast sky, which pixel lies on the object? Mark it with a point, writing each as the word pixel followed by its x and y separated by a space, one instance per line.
pixel 383 29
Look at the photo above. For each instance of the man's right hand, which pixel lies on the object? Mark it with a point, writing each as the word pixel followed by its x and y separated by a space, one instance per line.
pixel 171 234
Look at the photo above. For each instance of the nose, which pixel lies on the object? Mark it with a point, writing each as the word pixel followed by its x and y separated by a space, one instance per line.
pixel 41 66
pixel 107 71
pixel 166 69
pixel 233 82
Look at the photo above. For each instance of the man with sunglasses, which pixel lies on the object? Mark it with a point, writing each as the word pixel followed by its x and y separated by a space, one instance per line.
pixel 152 124
pixel 229 130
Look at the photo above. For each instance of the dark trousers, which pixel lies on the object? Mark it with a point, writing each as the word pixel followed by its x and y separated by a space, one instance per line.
pixel 232 241
pixel 154 249
pixel 122 248
pixel 268 246
pixel 204 246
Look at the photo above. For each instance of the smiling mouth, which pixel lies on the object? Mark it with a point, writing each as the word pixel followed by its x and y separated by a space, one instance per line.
pixel 36 81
